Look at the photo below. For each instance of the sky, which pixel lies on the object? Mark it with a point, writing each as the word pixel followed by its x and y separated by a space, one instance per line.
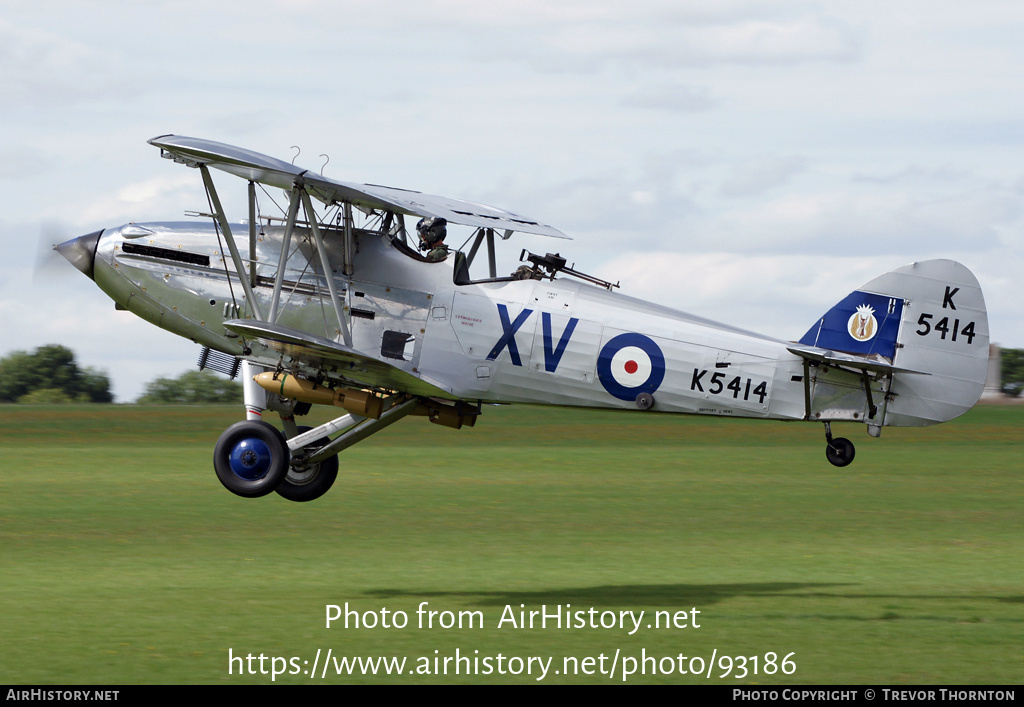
pixel 750 162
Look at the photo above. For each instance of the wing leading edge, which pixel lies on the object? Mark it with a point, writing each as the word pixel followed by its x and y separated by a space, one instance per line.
pixel 283 175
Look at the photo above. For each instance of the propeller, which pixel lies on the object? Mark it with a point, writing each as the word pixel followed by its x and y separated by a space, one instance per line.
pixel 49 265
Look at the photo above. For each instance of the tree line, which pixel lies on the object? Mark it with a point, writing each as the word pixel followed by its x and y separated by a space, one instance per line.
pixel 50 374
pixel 1012 366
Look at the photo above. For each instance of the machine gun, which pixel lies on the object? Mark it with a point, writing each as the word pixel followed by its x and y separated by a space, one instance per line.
pixel 551 263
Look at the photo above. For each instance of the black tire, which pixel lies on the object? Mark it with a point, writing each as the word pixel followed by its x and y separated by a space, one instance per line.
pixel 310 481
pixel 840 451
pixel 251 458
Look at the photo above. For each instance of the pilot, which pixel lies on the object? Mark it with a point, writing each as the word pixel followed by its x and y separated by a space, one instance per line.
pixel 432 232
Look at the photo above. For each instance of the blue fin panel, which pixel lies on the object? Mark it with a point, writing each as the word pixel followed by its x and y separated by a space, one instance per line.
pixel 862 323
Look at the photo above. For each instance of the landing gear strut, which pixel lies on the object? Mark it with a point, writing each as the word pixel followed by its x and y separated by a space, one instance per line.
pixel 838 450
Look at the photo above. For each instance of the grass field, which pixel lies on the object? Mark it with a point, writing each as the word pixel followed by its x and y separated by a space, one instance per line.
pixel 123 560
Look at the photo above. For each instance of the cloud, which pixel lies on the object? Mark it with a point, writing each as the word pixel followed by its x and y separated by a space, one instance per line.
pixel 779 42
pixel 681 98
pixel 143 200
pixel 16 162
pixel 39 67
pixel 882 221
pixel 680 42
pixel 754 177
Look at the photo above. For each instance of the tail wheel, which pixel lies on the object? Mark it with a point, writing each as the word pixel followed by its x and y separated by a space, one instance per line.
pixel 307 482
pixel 839 451
pixel 251 458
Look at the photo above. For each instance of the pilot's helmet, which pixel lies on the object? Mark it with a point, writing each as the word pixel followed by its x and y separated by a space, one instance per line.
pixel 432 230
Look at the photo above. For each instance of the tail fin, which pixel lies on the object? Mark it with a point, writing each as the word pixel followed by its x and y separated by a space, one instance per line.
pixel 928 317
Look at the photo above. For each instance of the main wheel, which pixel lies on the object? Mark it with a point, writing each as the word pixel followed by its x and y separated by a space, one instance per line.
pixel 308 482
pixel 839 451
pixel 251 458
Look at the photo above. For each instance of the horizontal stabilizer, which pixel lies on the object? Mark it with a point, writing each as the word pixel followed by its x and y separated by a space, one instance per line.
pixel 320 353
pixel 860 363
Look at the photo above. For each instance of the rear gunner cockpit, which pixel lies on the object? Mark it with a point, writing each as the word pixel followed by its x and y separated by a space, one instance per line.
pixel 468 261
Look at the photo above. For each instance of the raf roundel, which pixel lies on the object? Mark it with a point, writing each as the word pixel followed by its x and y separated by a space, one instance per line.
pixel 630 364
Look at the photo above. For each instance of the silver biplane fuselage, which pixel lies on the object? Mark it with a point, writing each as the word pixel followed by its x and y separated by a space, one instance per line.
pixel 350 314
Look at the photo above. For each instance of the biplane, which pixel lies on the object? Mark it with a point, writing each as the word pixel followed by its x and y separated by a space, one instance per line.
pixel 331 300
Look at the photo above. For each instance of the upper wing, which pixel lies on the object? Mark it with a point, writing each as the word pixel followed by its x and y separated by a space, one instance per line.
pixel 321 353
pixel 274 172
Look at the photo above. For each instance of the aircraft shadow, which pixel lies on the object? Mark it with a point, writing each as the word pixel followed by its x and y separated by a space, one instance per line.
pixel 679 595
pixel 673 595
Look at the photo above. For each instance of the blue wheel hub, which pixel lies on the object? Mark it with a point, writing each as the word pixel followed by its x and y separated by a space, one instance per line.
pixel 250 459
